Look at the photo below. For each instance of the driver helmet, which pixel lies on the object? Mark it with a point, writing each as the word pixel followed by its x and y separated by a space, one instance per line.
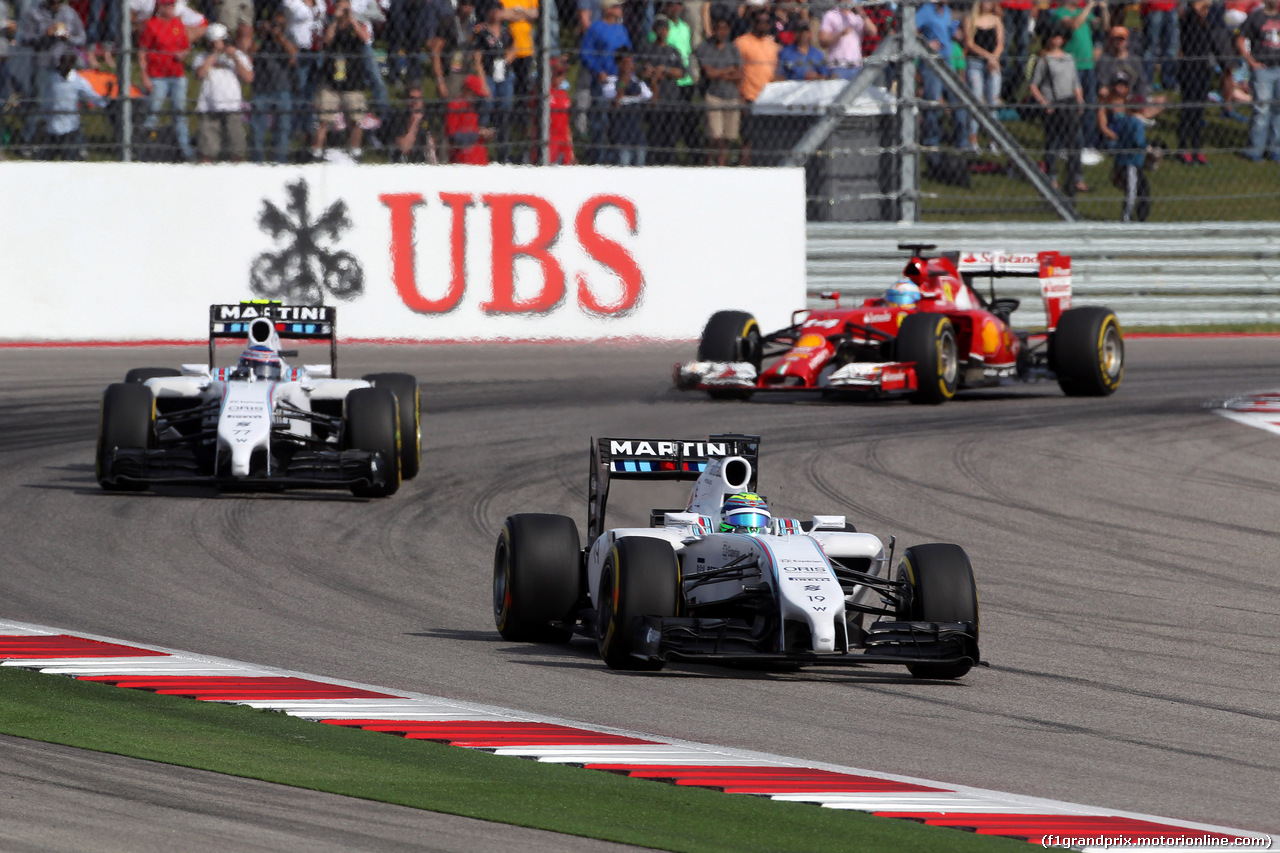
pixel 904 292
pixel 745 512
pixel 261 361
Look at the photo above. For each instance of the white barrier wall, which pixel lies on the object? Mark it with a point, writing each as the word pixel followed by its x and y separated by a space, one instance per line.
pixel 138 251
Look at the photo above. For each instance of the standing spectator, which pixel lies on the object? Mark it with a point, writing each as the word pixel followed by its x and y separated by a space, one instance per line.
pixel 637 17
pixel 342 82
pixel 368 12
pixel 462 126
pixel 627 94
pixel 163 48
pixel 221 72
pixel 495 49
pixel 1078 16
pixel 1017 22
pixel 522 15
pixel 801 60
pixel 47 30
pixel 661 66
pixel 1056 87
pixel 452 55
pixel 589 12
pixel 683 116
pixel 1115 60
pixel 1131 154
pixel 733 11
pixel 759 54
pixel 140 11
pixel 1160 40
pixel 1259 45
pixel 102 31
pixel 412 26
pixel 408 137
pixel 560 138
pixel 1194 77
pixel 272 87
pixel 306 30
pixel 787 18
pixel 599 46
pixel 721 65
pixel 840 34
pixel 66 91
pixel 983 45
pixel 938 29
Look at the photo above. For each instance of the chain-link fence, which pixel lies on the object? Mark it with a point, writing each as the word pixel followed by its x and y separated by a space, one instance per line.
pixel 999 110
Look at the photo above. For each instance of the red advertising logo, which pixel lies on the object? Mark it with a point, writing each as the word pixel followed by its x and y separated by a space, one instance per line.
pixel 505 251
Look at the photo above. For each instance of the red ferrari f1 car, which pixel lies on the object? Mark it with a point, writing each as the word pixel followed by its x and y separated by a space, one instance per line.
pixel 932 333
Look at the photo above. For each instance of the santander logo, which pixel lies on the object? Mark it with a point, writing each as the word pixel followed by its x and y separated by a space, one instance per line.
pixel 595 297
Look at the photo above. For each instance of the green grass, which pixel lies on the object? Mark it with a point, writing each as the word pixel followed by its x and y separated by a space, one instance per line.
pixel 277 748
pixel 1229 189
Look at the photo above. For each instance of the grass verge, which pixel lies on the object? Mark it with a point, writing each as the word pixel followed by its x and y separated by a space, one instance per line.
pixel 277 748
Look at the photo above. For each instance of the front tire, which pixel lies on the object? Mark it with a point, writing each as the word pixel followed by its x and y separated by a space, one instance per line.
pixel 732 336
pixel 930 341
pixel 372 424
pixel 1087 352
pixel 128 421
pixel 641 577
pixel 940 578
pixel 408 401
pixel 536 577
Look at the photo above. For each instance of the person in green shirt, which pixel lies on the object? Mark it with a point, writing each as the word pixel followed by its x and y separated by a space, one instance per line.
pixel 1079 16
pixel 683 118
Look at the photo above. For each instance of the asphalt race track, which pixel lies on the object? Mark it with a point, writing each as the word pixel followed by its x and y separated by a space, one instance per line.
pixel 1125 551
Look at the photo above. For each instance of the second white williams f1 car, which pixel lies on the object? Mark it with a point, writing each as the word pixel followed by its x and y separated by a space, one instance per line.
pixel 261 423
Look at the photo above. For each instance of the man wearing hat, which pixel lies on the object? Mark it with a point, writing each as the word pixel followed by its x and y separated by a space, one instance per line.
pixel 680 35
pixel 599 46
pixel 661 66
pixel 221 72
pixel 1115 60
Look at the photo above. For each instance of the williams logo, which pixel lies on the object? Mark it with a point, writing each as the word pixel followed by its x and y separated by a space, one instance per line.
pixel 306 268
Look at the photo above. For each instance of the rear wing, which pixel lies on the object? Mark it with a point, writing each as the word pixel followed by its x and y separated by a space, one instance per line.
pixel 656 459
pixel 1052 268
pixel 291 322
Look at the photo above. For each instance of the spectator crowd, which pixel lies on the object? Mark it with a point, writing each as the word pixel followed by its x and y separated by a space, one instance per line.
pixel 633 82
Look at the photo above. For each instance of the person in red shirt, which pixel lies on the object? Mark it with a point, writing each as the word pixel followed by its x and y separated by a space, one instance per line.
pixel 560 139
pixel 462 126
pixel 163 47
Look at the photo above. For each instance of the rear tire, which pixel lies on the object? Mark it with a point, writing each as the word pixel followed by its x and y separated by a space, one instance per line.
pixel 373 425
pixel 128 421
pixel 142 374
pixel 536 577
pixel 732 336
pixel 1087 352
pixel 405 389
pixel 641 577
pixel 930 341
pixel 942 590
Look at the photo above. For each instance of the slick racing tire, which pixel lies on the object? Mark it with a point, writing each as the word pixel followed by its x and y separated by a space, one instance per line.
pixel 128 421
pixel 536 577
pixel 408 400
pixel 940 578
pixel 1086 352
pixel 641 577
pixel 373 425
pixel 732 336
pixel 930 341
pixel 142 374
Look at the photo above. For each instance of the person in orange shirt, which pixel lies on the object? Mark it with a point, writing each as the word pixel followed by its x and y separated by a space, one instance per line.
pixel 759 68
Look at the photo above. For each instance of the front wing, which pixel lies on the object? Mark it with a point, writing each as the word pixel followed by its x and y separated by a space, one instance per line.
pixel 728 640
pixel 316 469
pixel 874 378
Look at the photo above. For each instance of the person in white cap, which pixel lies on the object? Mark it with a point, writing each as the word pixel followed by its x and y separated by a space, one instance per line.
pixel 221 72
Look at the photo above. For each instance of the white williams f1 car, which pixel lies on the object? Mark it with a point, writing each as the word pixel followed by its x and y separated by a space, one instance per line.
pixel 723 580
pixel 261 423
